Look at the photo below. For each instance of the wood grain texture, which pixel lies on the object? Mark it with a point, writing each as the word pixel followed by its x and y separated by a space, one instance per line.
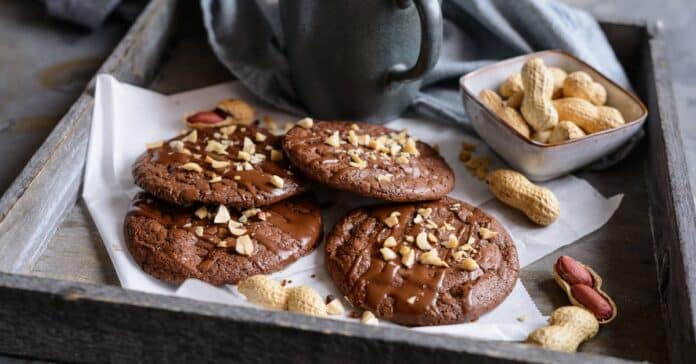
pixel 672 212
pixel 45 190
pixel 49 185
pixel 76 252
pixel 88 323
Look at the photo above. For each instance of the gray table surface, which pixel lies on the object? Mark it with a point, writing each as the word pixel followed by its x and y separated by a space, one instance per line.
pixel 44 65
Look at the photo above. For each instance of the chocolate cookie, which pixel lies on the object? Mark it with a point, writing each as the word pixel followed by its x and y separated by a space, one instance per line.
pixel 431 263
pixel 236 165
pixel 219 245
pixel 370 160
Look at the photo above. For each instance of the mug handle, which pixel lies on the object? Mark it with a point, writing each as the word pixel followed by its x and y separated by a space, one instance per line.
pixel 430 15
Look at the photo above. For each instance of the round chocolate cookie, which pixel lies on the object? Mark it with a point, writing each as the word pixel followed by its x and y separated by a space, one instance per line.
pixel 370 160
pixel 431 263
pixel 236 165
pixel 219 245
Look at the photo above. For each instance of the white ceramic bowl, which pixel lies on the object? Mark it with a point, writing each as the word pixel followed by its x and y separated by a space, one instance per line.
pixel 541 162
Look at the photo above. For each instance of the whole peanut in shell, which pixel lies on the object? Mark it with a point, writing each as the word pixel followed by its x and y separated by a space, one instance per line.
pixel 580 84
pixel 264 291
pixel 514 189
pixel 509 115
pixel 588 117
pixel 569 326
pixel 565 130
pixel 307 301
pixel 559 77
pixel 537 108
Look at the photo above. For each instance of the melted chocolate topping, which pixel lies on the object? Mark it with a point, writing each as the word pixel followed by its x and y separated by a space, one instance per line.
pixel 296 217
pixel 414 290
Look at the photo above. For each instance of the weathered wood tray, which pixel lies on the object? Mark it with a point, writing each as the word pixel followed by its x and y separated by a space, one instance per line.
pixel 60 300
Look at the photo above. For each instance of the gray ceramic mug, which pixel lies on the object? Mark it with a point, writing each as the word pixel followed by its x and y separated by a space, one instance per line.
pixel 360 59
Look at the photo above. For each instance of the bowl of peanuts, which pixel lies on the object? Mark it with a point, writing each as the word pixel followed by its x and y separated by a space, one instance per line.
pixel 549 113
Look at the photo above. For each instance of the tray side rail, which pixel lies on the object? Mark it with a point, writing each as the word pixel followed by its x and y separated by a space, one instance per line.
pixel 48 186
pixel 672 208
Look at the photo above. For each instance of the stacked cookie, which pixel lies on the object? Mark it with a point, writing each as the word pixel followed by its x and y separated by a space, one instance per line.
pixel 421 259
pixel 222 203
pixel 220 208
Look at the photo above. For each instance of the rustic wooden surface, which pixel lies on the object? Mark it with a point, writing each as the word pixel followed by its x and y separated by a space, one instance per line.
pixel 620 252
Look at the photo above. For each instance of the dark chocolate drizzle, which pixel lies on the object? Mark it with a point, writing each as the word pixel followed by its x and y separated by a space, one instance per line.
pixel 392 280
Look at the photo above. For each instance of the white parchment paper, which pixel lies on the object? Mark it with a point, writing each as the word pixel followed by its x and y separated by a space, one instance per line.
pixel 127 117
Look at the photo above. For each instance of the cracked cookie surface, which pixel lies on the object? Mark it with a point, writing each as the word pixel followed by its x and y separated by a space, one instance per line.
pixel 369 160
pixel 429 263
pixel 219 245
pixel 237 165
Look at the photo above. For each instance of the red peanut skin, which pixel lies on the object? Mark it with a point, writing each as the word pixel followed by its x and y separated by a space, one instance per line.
pixel 592 300
pixel 205 117
pixel 573 272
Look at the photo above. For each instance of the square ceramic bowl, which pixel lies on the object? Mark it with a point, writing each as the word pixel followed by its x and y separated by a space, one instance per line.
pixel 541 162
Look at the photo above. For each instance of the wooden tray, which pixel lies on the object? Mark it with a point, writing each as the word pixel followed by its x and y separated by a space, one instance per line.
pixel 60 300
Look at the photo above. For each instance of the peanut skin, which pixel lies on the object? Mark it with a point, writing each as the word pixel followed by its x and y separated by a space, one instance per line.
pixel 508 114
pixel 588 117
pixel 537 108
pixel 514 189
pixel 573 272
pixel 592 300
pixel 569 326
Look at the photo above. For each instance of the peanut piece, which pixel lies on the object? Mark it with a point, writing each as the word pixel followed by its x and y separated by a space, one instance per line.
pixel 263 291
pixel 509 115
pixel 569 326
pixel 368 318
pixel 580 84
pixel 514 189
pixel 307 301
pixel 537 108
pixel 590 118
pixel 565 130
pixel 335 307
pixel 306 123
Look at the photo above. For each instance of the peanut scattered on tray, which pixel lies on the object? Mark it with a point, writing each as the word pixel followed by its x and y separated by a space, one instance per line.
pixel 550 106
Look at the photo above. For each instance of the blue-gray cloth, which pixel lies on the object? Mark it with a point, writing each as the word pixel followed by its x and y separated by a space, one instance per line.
pixel 247 37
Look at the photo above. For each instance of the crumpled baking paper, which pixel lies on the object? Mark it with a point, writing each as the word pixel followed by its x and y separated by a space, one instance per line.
pixel 127 117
